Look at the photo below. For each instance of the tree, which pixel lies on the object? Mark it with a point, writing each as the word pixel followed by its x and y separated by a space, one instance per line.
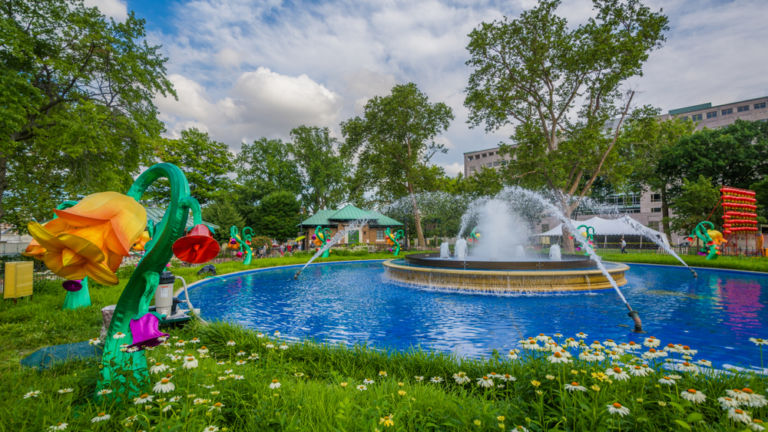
pixel 278 216
pixel 225 215
pixel 266 166
pixel 646 139
pixel 558 87
pixel 321 167
pixel 698 201
pixel 204 161
pixel 394 142
pixel 76 104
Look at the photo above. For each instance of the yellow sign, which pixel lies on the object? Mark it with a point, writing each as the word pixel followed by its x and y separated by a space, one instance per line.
pixel 18 279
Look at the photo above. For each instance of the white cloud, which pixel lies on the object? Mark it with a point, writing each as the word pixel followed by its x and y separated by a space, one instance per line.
pixel 112 8
pixel 247 69
pixel 453 169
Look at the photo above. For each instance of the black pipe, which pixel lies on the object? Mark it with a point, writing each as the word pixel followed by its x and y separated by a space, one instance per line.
pixel 636 318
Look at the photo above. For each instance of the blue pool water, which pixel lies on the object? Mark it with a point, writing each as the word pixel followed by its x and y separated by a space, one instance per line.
pixel 355 303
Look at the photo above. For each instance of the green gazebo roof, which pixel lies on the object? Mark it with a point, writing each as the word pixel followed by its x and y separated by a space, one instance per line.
pixel 156 215
pixel 348 213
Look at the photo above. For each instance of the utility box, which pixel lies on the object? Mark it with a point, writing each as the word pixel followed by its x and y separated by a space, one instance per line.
pixel 18 279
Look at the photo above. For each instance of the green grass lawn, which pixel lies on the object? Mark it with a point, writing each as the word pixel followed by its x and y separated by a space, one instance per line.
pixel 261 382
pixel 759 264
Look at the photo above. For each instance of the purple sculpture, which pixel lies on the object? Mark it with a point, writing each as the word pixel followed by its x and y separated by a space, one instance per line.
pixel 72 285
pixel 146 331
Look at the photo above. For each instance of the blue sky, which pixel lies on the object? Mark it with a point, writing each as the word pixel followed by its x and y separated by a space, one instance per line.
pixel 246 69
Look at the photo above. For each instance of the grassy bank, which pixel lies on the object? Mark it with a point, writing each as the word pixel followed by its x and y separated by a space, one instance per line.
pixel 241 380
pixel 759 264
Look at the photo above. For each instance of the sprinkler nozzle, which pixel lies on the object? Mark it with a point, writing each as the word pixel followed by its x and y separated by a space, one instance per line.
pixel 694 273
pixel 296 276
pixel 636 318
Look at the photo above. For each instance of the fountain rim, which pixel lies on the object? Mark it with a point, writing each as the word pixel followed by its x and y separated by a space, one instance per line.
pixel 433 260
pixel 578 272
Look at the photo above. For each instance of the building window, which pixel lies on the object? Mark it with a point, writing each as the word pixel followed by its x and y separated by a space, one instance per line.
pixel 742 108
pixel 544 227
pixel 656 197
pixel 727 111
pixel 760 105
pixel 696 117
pixel 685 117
pixel 711 114
pixel 656 210
pixel 653 225
pixel 379 235
pixel 485 154
pixel 469 157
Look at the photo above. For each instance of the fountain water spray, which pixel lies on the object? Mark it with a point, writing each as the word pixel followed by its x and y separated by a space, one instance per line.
pixel 584 244
pixel 354 226
pixel 444 250
pixel 646 232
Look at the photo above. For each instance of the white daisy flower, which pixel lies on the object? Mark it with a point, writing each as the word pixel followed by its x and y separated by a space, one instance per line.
pixel 757 425
pixel 633 346
pixel 705 363
pixel 240 362
pixel 640 370
pixel 581 335
pixel 164 386
pixel 104 392
pixel 617 408
pixel 727 402
pixel 596 345
pixel 211 429
pixel 651 342
pixel 558 357
pixel 436 380
pixel 283 347
pixel 142 399
pixel 666 381
pixel 158 368
pixel 200 401
pixel 368 381
pixel 758 341
pixel 238 377
pixel 418 378
pixel 190 362
pixel 508 377
pixel 174 399
pixel 485 382
pixel 572 343
pixel 694 396
pixel 738 415
pixel 194 340
pixel 610 343
pixel 101 417
pixel 574 386
pixel 58 426
pixel 617 373
pixel 513 354
pixel 93 341
pixel 66 390
pixel 269 345
pixel 216 406
pixel 118 335
pixel 461 378
pixel 362 387
pixel 259 335
pixel 203 350
pixel 542 337
pixel 180 343
pixel 231 343
pixel 275 384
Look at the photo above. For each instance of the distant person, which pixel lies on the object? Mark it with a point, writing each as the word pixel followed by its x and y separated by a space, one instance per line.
pixel 623 246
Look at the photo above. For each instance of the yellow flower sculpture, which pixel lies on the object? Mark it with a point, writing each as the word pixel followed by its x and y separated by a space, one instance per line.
pixel 90 238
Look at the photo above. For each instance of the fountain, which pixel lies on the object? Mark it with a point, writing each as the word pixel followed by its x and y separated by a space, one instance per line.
pixel 499 262
pixel 490 269
pixel 444 250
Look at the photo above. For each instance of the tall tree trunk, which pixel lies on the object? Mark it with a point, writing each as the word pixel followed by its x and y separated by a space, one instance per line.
pixel 416 215
pixel 3 184
pixel 568 243
pixel 665 214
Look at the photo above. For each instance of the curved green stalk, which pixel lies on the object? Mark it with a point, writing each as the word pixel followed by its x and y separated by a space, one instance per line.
pixel 244 242
pixel 323 235
pixel 394 237
pixel 122 371
pixel 701 231
pixel 82 297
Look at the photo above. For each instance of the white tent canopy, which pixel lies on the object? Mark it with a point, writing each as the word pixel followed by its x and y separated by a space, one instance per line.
pixel 608 227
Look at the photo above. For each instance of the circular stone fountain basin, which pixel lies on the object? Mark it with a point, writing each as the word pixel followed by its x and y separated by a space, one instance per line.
pixel 572 273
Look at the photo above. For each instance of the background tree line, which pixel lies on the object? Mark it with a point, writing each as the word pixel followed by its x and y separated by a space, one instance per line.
pixel 77 116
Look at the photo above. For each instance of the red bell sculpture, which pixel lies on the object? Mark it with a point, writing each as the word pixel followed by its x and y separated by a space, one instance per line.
pixel 198 246
pixel 146 331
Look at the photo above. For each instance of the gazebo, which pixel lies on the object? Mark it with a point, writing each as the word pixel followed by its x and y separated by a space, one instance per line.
pixel 372 233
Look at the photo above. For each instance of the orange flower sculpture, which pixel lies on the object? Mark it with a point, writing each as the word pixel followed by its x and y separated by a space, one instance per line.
pixel 90 238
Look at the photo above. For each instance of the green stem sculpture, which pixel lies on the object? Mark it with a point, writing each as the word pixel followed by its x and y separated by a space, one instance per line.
pixel 590 232
pixel 394 237
pixel 244 242
pixel 323 235
pixel 123 371
pixel 82 297
pixel 701 231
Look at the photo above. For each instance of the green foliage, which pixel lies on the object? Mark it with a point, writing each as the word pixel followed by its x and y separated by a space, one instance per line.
pixel 321 167
pixel 223 214
pixel 77 104
pixel 278 216
pixel 394 142
pixel 205 163
pixel 759 264
pixel 558 86
pixel 695 203
pixel 761 195
pixel 265 166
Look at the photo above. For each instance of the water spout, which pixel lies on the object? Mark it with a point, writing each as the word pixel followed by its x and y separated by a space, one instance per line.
pixel 554 253
pixel 444 251
pixel 354 226
pixel 460 249
pixel 653 236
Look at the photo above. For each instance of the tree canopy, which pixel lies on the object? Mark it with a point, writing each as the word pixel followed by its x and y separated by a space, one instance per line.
pixel 278 216
pixel 322 169
pixel 76 104
pixel 394 141
pixel 266 166
pixel 559 86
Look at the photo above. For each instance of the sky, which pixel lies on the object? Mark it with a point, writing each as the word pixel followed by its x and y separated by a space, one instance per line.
pixel 250 69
